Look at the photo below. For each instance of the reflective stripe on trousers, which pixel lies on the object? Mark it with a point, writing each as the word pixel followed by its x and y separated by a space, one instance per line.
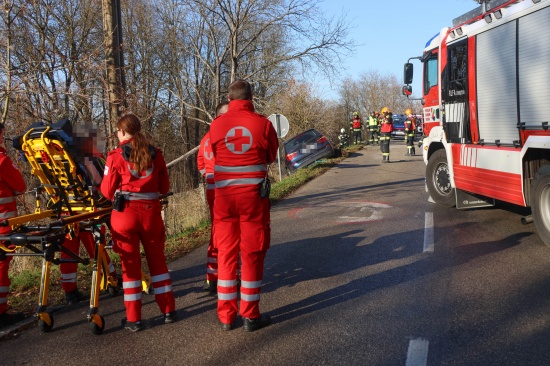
pixel 128 286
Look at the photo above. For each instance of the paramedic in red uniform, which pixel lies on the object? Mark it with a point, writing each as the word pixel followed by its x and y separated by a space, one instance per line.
pixel 69 269
pixel 244 143
pixel 11 183
pixel 137 171
pixel 90 146
pixel 205 164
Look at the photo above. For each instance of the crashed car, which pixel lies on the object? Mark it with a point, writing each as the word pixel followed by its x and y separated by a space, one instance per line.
pixel 306 148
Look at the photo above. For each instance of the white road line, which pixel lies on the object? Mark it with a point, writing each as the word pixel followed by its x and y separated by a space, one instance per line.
pixel 429 232
pixel 417 355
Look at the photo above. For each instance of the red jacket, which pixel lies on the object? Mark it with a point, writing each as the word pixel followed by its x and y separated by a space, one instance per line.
pixel 244 143
pixel 410 124
pixel 119 176
pixel 205 160
pixel 356 123
pixel 11 183
pixel 387 125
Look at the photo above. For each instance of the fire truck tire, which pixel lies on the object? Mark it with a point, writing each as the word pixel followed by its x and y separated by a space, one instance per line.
pixel 540 203
pixel 438 179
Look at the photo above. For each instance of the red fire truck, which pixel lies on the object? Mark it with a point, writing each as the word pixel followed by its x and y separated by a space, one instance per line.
pixel 486 109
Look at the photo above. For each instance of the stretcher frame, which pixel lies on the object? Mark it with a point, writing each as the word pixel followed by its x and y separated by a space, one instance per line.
pixel 73 206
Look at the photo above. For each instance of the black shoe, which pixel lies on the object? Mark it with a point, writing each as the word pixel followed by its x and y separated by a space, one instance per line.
pixel 10 319
pixel 74 297
pixel 211 287
pixel 251 325
pixel 132 326
pixel 170 317
pixel 226 327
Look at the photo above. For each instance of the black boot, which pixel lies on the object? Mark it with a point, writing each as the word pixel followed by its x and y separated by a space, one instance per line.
pixel 251 325
pixel 211 287
pixel 74 297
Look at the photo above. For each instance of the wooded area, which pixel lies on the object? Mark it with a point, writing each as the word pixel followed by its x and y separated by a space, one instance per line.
pixel 179 58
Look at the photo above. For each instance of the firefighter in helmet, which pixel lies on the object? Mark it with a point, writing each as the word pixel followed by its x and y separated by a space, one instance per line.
pixel 355 126
pixel 374 129
pixel 343 138
pixel 385 135
pixel 410 130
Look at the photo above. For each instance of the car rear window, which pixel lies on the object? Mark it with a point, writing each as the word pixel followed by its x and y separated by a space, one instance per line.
pixel 297 140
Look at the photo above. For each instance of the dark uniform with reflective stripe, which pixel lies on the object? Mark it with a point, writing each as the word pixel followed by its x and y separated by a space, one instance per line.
pixel 385 137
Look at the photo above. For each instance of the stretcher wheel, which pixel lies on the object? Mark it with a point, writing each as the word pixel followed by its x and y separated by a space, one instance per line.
pixel 113 290
pixel 97 324
pixel 45 322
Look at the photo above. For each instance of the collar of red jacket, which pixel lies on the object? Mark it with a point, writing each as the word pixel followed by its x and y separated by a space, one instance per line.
pixel 2 150
pixel 240 105
pixel 125 142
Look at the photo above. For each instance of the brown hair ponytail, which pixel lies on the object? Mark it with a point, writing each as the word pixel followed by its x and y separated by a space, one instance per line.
pixel 140 156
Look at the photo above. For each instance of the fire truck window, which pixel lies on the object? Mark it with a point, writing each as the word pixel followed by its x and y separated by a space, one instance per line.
pixel 430 77
pixel 458 69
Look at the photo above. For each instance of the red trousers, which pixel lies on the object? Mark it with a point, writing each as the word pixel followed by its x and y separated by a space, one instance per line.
pixel 241 225
pixel 4 279
pixel 212 252
pixel 141 221
pixel 69 270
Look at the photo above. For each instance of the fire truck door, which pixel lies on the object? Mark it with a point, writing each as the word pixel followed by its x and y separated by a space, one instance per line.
pixel 455 94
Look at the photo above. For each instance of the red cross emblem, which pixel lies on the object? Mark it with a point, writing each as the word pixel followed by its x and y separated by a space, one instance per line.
pixel 207 153
pixel 238 140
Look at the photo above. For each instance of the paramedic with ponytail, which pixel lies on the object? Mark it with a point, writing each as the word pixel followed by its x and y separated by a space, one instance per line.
pixel 135 176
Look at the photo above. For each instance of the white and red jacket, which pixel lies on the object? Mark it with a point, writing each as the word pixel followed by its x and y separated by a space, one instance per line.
pixel 11 183
pixel 120 175
pixel 205 161
pixel 243 147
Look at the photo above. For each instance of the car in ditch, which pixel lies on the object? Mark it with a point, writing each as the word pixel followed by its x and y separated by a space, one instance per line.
pixel 306 148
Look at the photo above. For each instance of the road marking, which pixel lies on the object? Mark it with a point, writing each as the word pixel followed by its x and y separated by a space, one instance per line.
pixel 417 355
pixel 429 232
pixel 347 212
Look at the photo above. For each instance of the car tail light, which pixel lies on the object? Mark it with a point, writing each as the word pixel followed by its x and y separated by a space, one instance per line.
pixel 322 140
pixel 291 156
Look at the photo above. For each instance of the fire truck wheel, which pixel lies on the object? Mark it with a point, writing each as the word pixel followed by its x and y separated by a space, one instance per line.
pixel 438 179
pixel 540 203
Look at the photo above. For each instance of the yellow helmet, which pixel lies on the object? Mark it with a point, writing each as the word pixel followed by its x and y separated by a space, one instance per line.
pixel 385 110
pixel 408 111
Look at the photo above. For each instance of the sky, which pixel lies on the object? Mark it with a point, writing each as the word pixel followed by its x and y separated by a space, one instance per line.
pixel 388 33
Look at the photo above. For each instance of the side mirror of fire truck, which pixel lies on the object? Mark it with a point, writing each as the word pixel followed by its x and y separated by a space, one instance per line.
pixel 408 73
pixel 407 90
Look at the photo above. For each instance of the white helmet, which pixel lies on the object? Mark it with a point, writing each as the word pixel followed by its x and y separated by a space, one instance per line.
pixel 342 130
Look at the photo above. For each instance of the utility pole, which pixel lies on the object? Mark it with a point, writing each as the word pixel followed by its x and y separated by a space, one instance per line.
pixel 114 61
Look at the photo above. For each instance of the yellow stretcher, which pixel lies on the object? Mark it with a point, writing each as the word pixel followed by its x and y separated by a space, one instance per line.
pixel 73 204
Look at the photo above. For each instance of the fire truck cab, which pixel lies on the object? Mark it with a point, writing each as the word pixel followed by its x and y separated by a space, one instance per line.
pixel 486 108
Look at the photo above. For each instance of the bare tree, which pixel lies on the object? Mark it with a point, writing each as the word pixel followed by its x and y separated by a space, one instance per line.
pixel 372 92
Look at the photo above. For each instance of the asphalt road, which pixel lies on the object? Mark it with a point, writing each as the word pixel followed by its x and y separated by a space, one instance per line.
pixel 356 275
